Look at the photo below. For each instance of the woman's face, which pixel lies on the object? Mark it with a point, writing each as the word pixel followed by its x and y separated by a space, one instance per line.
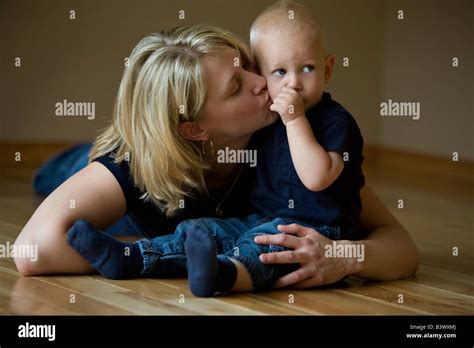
pixel 237 101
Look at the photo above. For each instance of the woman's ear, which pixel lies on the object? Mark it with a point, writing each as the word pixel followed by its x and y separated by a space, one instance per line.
pixel 328 67
pixel 192 131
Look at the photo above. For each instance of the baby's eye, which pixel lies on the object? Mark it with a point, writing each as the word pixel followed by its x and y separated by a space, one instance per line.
pixel 280 72
pixel 308 68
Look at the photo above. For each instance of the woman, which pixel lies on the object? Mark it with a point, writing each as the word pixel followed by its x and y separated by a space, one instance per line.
pixel 186 94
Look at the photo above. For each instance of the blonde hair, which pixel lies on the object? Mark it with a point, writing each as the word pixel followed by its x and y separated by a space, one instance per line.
pixel 275 19
pixel 164 85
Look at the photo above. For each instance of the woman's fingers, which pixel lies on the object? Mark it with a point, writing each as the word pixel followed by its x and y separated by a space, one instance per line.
pixel 291 278
pixel 280 239
pixel 308 283
pixel 282 257
pixel 295 229
pixel 305 277
pixel 308 249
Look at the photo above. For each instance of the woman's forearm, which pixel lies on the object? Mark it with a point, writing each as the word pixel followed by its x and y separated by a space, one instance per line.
pixel 389 254
pixel 389 250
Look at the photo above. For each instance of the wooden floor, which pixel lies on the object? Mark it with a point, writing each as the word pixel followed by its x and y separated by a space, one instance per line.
pixel 438 212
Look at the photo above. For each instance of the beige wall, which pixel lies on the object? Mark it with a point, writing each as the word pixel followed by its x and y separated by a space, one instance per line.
pixel 417 66
pixel 82 60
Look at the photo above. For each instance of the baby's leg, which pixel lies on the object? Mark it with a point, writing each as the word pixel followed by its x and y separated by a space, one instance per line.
pixel 262 276
pixel 111 258
pixel 108 256
pixel 208 272
pixel 161 256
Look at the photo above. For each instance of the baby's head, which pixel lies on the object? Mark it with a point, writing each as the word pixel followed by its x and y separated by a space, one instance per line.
pixel 287 42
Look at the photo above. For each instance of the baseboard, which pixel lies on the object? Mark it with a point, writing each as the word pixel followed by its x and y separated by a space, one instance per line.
pixel 380 157
pixel 376 156
pixel 30 153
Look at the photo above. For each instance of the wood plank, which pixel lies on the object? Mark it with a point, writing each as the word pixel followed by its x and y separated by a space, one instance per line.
pixel 163 292
pixel 336 302
pixel 240 300
pixel 265 306
pixel 95 289
pixel 446 280
pixel 31 296
pixel 417 297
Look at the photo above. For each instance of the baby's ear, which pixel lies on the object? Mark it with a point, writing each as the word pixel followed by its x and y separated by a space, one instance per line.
pixel 328 67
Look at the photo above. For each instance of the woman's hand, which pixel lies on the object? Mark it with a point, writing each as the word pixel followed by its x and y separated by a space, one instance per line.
pixel 309 248
pixel 389 250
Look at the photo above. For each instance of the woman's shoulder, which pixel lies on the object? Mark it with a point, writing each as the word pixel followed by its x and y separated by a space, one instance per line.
pixel 121 172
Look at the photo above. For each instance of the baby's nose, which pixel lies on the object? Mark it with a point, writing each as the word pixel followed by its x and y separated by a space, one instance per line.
pixel 294 82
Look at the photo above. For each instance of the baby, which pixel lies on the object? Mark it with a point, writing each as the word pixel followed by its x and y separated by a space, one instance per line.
pixel 309 171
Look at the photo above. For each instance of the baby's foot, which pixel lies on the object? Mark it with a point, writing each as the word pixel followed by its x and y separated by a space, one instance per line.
pixel 111 258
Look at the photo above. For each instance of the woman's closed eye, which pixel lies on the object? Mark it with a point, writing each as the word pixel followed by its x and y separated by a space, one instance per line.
pixel 236 90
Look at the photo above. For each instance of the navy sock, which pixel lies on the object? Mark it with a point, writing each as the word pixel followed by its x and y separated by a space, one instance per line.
pixel 110 257
pixel 207 274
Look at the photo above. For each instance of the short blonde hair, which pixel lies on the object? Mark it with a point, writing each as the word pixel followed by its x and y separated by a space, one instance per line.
pixel 276 19
pixel 164 85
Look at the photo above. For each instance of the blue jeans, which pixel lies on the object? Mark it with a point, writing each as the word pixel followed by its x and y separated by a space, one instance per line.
pixel 165 256
pixel 61 167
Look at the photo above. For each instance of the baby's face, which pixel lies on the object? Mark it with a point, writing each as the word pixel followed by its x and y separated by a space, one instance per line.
pixel 296 61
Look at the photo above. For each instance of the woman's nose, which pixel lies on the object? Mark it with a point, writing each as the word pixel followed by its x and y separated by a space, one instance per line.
pixel 260 84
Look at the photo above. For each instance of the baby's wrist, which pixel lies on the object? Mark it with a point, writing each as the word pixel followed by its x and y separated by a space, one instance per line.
pixel 292 120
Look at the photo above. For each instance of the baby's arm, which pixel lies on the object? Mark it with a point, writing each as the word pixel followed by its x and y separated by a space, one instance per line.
pixel 316 167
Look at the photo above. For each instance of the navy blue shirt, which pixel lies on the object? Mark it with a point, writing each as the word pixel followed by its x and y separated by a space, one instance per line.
pixel 155 222
pixel 278 191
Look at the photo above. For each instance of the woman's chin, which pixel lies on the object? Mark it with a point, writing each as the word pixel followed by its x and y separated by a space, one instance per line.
pixel 273 117
pixel 269 119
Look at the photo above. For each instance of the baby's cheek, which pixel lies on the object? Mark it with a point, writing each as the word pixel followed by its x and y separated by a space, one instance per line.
pixel 273 89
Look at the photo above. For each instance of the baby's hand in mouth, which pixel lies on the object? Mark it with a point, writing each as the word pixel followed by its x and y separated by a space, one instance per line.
pixel 289 105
